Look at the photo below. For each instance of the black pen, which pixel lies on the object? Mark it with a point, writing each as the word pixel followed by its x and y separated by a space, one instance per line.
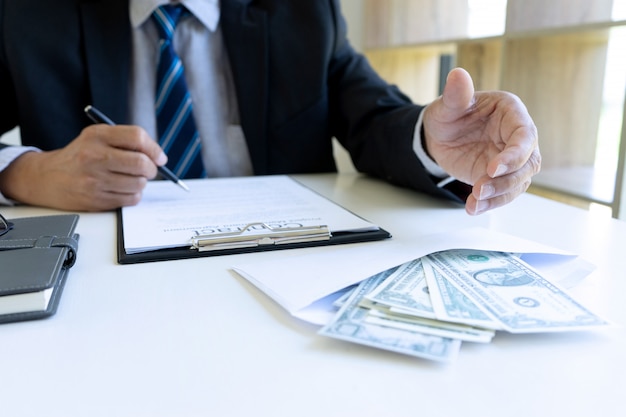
pixel 98 117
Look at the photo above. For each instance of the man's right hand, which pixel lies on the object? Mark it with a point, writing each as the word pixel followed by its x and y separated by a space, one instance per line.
pixel 104 168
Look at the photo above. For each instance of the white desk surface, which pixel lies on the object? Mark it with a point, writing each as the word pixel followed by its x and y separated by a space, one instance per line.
pixel 191 338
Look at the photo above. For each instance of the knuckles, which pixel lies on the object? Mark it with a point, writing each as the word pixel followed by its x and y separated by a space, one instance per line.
pixel 535 161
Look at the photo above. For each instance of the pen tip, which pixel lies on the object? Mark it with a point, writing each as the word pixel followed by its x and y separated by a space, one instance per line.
pixel 182 185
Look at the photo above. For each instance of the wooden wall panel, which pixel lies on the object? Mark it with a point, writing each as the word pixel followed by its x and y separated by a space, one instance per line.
pixel 483 61
pixel 406 22
pixel 560 79
pixel 526 15
pixel 414 70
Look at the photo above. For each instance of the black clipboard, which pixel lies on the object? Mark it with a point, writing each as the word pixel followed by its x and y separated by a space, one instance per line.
pixel 168 254
pixel 263 238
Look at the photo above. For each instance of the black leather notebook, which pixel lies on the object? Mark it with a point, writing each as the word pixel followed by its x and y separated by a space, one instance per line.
pixel 36 254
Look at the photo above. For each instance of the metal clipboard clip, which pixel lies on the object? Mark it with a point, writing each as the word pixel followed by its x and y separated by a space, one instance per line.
pixel 268 235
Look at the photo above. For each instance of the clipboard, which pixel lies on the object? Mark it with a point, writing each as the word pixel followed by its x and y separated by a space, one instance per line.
pixel 259 245
pixel 257 236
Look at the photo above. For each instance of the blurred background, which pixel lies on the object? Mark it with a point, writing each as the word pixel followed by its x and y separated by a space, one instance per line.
pixel 566 59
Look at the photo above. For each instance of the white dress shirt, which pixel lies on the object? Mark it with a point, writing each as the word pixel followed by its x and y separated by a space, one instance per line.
pixel 208 75
pixel 198 42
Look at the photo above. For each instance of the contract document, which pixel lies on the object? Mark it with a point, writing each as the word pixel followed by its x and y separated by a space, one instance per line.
pixel 233 215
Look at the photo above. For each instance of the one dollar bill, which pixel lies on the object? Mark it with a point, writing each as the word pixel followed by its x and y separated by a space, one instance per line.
pixel 350 324
pixel 512 292
pixel 451 304
pixel 405 289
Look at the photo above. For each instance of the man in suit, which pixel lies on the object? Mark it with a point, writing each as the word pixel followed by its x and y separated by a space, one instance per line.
pixel 272 81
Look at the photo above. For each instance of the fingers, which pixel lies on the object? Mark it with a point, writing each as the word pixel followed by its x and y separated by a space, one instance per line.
pixel 107 193
pixel 520 139
pixel 475 206
pixel 458 94
pixel 135 164
pixel 443 118
pixel 489 193
pixel 124 139
pixel 115 164
pixel 510 172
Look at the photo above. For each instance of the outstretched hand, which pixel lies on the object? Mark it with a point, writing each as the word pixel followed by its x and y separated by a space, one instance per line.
pixel 485 139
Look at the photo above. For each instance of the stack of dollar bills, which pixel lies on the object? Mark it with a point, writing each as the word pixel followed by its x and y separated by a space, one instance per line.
pixel 429 306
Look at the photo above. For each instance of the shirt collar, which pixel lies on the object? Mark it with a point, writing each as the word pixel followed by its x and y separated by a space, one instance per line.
pixel 206 11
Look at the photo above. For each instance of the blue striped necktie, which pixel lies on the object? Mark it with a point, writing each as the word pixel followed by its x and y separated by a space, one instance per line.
pixel 176 127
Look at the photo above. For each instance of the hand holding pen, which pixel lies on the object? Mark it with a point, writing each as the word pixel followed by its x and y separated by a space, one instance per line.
pixel 98 117
pixel 102 168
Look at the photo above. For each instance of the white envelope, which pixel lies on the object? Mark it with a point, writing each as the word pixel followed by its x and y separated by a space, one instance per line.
pixel 306 285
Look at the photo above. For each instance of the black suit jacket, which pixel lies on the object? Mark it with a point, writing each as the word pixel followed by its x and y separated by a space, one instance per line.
pixel 298 83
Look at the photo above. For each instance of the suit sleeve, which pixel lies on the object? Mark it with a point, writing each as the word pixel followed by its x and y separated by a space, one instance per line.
pixel 8 116
pixel 376 122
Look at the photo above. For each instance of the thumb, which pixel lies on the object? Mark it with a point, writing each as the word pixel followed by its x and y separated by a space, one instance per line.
pixel 458 94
